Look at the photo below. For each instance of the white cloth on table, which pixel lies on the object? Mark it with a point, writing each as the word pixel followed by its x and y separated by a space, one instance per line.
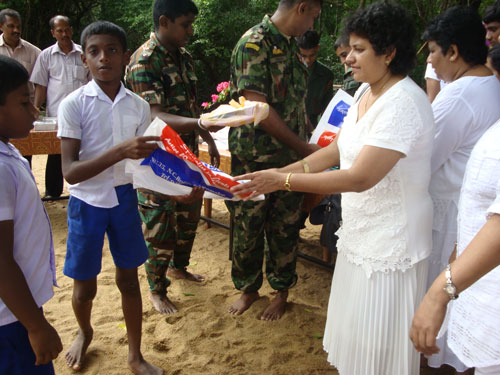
pixel 89 115
pixel 384 240
pixel 463 111
pixel 33 248
pixel 474 324
pixel 60 73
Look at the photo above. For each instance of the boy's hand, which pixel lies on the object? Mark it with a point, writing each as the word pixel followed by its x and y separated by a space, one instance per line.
pixel 139 147
pixel 45 343
pixel 195 195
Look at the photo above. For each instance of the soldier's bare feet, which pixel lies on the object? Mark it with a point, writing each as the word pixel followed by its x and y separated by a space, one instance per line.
pixel 185 274
pixel 243 303
pixel 276 308
pixel 140 367
pixel 76 354
pixel 162 303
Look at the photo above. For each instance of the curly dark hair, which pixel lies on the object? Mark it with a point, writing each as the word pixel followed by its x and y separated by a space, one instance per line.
pixel 492 13
pixel 460 26
pixel 494 55
pixel 387 26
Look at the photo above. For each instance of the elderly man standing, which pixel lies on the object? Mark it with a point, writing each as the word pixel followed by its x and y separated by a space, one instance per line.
pixel 58 72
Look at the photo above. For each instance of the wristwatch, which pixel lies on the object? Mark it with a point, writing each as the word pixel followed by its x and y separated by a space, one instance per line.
pixel 450 288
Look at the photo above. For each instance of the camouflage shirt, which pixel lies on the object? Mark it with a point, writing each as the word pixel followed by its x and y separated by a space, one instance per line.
pixel 165 78
pixel 319 91
pixel 350 85
pixel 265 61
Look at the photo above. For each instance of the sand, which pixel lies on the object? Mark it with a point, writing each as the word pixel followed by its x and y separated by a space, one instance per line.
pixel 202 338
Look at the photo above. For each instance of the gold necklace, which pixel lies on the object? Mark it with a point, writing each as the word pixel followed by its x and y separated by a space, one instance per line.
pixel 370 92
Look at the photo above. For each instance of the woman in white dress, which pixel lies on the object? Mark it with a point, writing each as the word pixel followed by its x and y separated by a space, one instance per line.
pixel 384 151
pixel 463 111
pixel 474 319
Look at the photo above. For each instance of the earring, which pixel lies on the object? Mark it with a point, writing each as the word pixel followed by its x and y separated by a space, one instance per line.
pixel 387 62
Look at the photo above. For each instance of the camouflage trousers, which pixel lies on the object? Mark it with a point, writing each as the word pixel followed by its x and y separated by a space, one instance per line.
pixel 269 229
pixel 169 229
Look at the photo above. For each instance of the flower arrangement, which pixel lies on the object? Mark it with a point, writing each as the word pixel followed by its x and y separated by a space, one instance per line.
pixel 221 96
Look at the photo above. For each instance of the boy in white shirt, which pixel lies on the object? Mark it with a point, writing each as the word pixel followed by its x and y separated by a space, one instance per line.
pixel 28 343
pixel 100 125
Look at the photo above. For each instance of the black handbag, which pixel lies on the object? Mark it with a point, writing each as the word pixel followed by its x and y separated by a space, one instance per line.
pixel 329 213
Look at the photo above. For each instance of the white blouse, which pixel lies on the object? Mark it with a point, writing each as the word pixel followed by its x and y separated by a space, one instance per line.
pixel 389 226
pixel 474 326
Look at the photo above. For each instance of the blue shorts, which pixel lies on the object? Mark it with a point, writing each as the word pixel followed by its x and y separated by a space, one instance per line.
pixel 16 354
pixel 86 227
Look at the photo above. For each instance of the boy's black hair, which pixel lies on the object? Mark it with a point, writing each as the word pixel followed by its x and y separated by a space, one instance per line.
pixel 9 12
pixel 494 55
pixel 172 9
pixel 492 13
pixel 387 26
pixel 103 28
pixel 13 76
pixel 309 40
pixel 290 3
pixel 461 26
pixel 342 41
pixel 52 21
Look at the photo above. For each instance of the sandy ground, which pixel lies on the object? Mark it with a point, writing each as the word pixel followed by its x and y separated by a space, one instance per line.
pixel 202 338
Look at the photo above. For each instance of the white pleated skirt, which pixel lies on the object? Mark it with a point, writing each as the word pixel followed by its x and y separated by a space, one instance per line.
pixel 369 319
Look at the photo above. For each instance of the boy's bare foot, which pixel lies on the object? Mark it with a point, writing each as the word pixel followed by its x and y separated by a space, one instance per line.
pixel 276 308
pixel 141 367
pixel 162 303
pixel 184 274
pixel 76 354
pixel 243 303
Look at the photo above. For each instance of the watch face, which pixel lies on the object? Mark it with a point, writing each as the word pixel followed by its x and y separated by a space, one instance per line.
pixel 450 289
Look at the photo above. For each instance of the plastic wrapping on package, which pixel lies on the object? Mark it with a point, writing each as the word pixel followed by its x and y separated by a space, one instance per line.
pixel 173 169
pixel 236 114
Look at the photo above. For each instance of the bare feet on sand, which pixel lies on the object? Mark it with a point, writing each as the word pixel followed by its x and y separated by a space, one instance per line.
pixel 162 304
pixel 76 354
pixel 141 367
pixel 243 303
pixel 184 274
pixel 276 308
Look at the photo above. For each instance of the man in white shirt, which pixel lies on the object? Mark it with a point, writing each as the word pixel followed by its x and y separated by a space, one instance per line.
pixel 11 44
pixel 57 73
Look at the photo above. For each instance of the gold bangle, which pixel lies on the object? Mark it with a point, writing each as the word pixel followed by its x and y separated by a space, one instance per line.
pixel 287 185
pixel 305 165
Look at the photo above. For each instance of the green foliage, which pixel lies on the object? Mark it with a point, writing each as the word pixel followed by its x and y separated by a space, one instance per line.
pixel 219 25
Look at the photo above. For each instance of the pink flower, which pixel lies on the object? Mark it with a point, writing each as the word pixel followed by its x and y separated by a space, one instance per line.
pixel 225 85
pixel 215 98
pixel 205 105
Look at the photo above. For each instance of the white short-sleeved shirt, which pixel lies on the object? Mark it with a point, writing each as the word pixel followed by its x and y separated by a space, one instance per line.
pixel 430 73
pixel 463 110
pixel 33 248
pixel 389 226
pixel 89 115
pixel 25 53
pixel 474 325
pixel 61 74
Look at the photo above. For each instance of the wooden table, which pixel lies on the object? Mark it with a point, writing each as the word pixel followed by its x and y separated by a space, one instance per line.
pixel 225 166
pixel 38 142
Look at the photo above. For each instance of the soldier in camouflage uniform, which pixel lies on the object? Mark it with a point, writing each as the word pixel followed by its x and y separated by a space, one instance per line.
pixel 162 72
pixel 265 67
pixel 342 49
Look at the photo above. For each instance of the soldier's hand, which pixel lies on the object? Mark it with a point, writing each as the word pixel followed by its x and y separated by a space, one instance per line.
pixel 195 195
pixel 309 149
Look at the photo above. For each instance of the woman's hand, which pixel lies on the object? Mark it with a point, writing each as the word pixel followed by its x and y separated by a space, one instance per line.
pixel 426 323
pixel 262 182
